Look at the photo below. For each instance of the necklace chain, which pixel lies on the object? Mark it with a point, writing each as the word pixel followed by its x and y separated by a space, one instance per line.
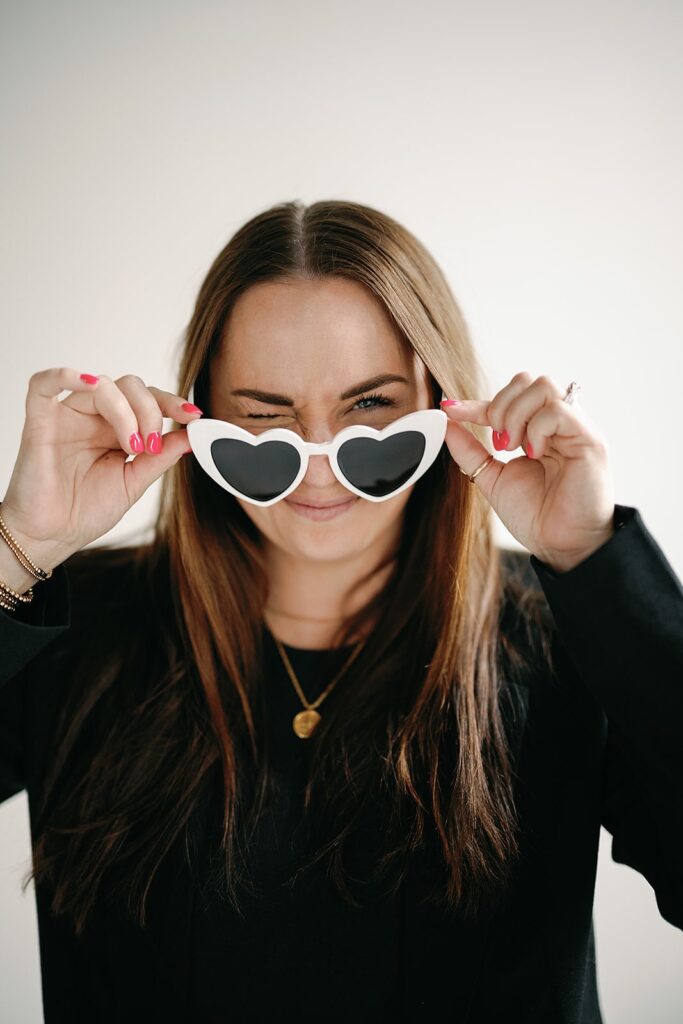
pixel 305 722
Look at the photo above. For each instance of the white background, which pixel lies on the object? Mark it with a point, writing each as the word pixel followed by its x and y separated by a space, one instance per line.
pixel 534 147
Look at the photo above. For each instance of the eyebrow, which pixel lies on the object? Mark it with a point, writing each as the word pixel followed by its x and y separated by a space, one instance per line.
pixel 357 389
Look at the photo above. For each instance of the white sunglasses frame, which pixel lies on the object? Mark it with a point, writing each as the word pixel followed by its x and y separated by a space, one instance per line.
pixel 432 423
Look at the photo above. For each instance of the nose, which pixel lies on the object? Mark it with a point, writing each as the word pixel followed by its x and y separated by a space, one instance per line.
pixel 319 474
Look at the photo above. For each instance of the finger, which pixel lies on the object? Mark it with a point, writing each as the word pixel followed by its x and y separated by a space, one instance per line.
pixel 108 400
pixel 147 412
pixel 145 468
pixel 468 410
pixel 91 393
pixel 557 425
pixel 521 407
pixel 488 413
pixel 469 453
pixel 151 405
pixel 123 407
pixel 172 406
pixel 45 386
pixel 499 404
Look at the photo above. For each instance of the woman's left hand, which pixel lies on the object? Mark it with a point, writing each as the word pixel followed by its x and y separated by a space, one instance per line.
pixel 557 500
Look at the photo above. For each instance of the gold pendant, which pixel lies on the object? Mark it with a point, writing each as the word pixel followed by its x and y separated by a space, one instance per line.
pixel 305 723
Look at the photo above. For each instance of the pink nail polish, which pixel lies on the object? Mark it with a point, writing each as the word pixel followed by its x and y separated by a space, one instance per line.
pixel 530 451
pixel 89 378
pixel 154 443
pixel 189 407
pixel 500 441
pixel 451 401
pixel 136 443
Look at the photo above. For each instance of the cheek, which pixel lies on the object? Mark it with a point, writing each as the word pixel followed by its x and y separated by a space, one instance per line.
pixel 262 518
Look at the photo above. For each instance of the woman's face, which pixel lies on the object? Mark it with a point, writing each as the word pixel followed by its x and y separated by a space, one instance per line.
pixel 310 348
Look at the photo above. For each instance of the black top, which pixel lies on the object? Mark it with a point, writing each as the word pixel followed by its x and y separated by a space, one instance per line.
pixel 600 743
pixel 297 942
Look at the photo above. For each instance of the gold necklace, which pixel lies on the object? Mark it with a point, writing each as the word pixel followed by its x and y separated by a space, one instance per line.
pixel 305 722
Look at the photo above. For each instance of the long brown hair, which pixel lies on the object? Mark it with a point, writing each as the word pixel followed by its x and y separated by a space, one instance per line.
pixel 164 652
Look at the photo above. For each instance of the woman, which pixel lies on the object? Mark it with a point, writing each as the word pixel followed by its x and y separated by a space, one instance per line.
pixel 320 748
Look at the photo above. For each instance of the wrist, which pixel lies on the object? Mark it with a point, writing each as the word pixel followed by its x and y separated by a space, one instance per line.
pixel 45 554
pixel 566 562
pixel 12 572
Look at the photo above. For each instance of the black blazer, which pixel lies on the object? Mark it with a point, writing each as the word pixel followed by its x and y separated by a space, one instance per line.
pixel 601 742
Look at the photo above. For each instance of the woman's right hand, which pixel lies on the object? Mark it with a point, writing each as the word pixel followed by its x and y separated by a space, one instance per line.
pixel 71 482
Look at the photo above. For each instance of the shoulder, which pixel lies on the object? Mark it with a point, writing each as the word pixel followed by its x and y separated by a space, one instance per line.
pixel 114 581
pixel 109 608
pixel 111 631
pixel 92 565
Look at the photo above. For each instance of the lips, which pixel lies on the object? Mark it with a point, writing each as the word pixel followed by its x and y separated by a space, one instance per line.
pixel 312 504
pixel 322 513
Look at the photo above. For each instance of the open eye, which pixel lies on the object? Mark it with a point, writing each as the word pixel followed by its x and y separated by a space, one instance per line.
pixel 377 400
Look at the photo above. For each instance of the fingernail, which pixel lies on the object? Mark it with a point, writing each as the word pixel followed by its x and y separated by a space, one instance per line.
pixel 500 441
pixel 530 451
pixel 135 442
pixel 89 378
pixel 154 443
pixel 189 407
pixel 451 401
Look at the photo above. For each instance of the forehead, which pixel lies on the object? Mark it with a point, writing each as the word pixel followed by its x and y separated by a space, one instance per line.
pixel 332 328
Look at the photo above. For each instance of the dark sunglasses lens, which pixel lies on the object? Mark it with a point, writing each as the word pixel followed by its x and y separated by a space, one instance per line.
pixel 378 467
pixel 261 471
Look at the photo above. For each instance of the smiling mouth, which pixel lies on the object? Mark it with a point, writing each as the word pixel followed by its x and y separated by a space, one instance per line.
pixel 323 513
pixel 327 504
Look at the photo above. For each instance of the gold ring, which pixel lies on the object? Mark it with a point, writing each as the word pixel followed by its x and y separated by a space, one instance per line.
pixel 470 476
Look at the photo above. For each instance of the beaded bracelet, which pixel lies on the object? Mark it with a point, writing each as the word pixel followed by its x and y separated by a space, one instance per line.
pixel 9 598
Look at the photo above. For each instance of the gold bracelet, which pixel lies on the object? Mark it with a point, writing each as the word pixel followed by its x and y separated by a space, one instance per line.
pixel 9 598
pixel 40 574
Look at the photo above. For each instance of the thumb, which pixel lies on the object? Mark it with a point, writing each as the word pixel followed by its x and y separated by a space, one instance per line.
pixel 469 453
pixel 145 468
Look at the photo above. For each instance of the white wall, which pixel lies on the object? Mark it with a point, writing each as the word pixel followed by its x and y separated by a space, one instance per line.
pixel 535 147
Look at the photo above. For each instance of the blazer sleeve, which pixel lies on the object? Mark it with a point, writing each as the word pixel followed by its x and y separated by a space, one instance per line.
pixel 619 617
pixel 24 634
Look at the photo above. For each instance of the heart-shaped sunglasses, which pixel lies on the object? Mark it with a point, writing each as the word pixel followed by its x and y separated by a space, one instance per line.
pixel 263 469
